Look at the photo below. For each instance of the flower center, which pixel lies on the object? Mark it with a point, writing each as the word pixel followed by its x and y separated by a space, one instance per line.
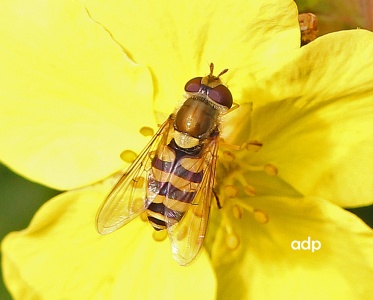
pixel 235 189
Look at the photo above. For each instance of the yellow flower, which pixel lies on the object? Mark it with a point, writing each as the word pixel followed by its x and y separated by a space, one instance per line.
pixel 79 82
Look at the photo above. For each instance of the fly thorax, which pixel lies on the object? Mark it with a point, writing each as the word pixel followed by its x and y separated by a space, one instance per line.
pixel 184 140
pixel 196 117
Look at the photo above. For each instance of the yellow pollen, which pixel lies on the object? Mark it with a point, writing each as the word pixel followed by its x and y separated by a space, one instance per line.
pixel 232 241
pixel 228 156
pixel 260 216
pixel 160 235
pixel 138 182
pixel 128 156
pixel 254 146
pixel 138 204
pixel 182 233
pixel 152 155
pixel 237 211
pixel 144 217
pixel 146 131
pixel 249 190
pixel 230 191
pixel 270 169
pixel 198 211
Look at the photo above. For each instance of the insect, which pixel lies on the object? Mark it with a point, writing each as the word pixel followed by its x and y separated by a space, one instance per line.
pixel 172 179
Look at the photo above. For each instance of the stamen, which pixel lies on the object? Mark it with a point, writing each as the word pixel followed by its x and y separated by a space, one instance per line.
pixel 147 131
pixel 260 216
pixel 182 233
pixel 249 190
pixel 254 146
pixel 144 217
pixel 128 156
pixel 254 168
pixel 237 211
pixel 159 235
pixel 138 204
pixel 232 241
pixel 228 156
pixel 198 211
pixel 270 169
pixel 230 191
pixel 138 182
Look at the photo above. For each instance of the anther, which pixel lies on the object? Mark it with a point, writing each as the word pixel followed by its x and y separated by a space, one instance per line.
pixel 228 156
pixel 230 191
pixel 144 216
pixel 182 233
pixel 138 204
pixel 270 169
pixel 249 190
pixel 138 182
pixel 159 235
pixel 232 241
pixel 237 211
pixel 254 146
pixel 260 216
pixel 128 156
pixel 146 131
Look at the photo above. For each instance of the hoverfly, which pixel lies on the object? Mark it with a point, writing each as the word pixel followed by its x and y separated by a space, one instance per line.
pixel 172 179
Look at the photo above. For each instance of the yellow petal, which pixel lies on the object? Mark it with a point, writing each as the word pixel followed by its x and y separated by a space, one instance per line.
pixel 61 255
pixel 178 42
pixel 322 151
pixel 70 99
pixel 334 66
pixel 295 248
pixel 320 135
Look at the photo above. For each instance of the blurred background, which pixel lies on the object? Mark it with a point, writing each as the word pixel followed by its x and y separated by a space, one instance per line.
pixel 334 15
pixel 20 199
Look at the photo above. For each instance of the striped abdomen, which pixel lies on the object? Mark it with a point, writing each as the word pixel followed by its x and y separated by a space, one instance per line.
pixel 176 176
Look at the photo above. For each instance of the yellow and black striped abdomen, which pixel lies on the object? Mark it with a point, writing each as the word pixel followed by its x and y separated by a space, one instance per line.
pixel 172 185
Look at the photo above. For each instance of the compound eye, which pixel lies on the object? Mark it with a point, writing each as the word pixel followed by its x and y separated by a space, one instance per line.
pixel 193 85
pixel 221 95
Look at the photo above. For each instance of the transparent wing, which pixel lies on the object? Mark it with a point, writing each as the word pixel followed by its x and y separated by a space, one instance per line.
pixel 187 236
pixel 128 198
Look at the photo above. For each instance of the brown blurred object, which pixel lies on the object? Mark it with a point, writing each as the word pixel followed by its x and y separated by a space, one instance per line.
pixel 336 15
pixel 366 10
pixel 308 27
